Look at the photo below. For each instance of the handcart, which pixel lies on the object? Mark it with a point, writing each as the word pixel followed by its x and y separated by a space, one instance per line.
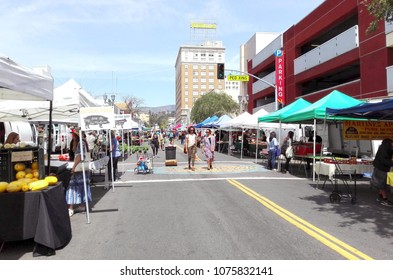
pixel 144 164
pixel 345 176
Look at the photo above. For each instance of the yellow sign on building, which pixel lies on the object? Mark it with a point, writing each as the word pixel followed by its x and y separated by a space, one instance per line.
pixel 367 130
pixel 241 78
pixel 203 25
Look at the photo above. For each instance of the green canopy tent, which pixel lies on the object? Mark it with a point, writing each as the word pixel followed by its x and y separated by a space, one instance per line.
pixel 276 116
pixel 317 111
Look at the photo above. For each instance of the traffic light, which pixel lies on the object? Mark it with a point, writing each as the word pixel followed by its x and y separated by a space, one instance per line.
pixel 220 71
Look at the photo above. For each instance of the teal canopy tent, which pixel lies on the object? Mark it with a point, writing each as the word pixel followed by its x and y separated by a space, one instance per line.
pixel 317 110
pixel 276 116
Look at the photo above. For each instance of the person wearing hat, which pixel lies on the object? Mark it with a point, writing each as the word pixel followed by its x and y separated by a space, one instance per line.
pixel 75 194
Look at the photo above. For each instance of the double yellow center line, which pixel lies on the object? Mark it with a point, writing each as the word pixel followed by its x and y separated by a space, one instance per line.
pixel 330 241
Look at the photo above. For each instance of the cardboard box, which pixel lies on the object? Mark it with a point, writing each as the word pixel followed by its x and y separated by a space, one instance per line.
pixel 171 162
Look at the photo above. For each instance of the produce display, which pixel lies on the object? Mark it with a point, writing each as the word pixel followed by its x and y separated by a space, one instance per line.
pixel 13 146
pixel 27 179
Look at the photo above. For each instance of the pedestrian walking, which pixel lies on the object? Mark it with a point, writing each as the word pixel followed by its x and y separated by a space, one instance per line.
pixel 191 147
pixel 115 154
pixel 155 143
pixel 208 147
pixel 75 194
pixel 287 150
pixel 272 151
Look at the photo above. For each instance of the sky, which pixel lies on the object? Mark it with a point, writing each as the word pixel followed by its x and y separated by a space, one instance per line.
pixel 129 47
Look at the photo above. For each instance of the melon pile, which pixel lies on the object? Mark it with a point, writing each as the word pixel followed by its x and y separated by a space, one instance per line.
pixel 27 179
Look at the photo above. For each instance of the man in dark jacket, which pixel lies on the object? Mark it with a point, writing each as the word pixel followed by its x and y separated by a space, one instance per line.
pixel 382 164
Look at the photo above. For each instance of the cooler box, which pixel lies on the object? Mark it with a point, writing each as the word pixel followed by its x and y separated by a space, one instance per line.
pixel 306 149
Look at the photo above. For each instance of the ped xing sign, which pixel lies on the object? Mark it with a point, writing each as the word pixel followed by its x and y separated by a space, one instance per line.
pixel 241 78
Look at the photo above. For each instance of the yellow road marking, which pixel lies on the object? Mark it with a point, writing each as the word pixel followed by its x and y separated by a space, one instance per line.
pixel 335 244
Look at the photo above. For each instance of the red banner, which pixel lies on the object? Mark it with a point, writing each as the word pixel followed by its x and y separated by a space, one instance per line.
pixel 280 76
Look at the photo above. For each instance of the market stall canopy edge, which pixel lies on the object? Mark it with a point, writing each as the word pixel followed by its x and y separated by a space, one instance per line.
pixel 373 111
pixel 317 110
pixel 286 111
pixel 20 83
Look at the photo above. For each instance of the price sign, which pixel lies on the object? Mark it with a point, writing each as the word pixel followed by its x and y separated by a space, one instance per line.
pixel 22 156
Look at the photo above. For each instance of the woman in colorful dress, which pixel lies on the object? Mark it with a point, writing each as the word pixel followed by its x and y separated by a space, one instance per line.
pixel 75 194
pixel 209 144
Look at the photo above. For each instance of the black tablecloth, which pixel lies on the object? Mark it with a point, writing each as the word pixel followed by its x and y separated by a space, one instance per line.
pixel 41 215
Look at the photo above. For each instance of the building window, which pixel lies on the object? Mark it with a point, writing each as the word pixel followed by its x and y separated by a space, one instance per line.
pixel 195 86
pixel 195 92
pixel 195 80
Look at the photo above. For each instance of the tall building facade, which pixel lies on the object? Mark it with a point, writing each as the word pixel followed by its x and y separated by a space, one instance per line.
pixel 196 75
pixel 328 49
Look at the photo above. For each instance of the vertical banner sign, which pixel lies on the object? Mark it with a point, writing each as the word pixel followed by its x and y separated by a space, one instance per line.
pixel 280 76
pixel 96 118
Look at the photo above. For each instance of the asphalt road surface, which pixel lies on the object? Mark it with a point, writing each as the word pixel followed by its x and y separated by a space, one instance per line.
pixel 237 211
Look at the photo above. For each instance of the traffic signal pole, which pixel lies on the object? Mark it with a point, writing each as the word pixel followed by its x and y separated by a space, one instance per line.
pixel 262 80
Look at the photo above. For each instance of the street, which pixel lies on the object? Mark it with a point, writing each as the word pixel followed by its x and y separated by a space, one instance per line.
pixel 237 211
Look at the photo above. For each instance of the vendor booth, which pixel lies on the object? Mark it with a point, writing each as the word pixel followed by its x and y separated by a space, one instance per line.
pixel 41 215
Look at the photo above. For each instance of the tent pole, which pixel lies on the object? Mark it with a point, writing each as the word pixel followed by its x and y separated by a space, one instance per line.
pixel 314 146
pixel 84 175
pixel 241 150
pixel 229 140
pixel 256 145
pixel 111 158
pixel 50 136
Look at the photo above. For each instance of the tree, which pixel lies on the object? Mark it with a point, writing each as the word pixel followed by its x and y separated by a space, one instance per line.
pixel 133 105
pixel 380 10
pixel 213 104
pixel 161 119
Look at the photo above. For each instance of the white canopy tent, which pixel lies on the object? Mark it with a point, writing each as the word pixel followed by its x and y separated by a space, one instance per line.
pixel 67 99
pixel 20 83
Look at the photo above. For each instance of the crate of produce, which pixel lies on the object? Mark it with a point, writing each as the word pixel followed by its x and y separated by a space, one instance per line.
pixel 21 163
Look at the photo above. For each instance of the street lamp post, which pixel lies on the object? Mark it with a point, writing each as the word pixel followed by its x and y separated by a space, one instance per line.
pixel 110 101
pixel 243 102
pixel 240 98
